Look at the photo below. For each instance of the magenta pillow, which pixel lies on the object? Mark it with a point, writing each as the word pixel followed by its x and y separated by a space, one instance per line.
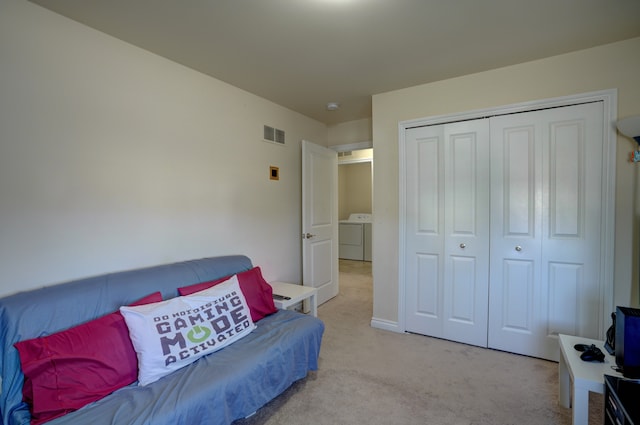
pixel 69 369
pixel 256 291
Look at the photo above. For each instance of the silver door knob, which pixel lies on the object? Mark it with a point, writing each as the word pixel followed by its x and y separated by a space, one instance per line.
pixel 463 245
pixel 307 236
pixel 518 248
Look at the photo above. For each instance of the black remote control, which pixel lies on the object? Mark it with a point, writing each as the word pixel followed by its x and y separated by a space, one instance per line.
pixel 280 297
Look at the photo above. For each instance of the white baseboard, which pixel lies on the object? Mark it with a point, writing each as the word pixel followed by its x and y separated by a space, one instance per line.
pixel 386 325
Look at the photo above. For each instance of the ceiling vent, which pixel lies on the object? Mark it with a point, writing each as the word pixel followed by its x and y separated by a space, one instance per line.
pixel 273 135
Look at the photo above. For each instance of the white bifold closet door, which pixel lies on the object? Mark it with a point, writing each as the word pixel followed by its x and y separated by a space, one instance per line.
pixel 546 199
pixel 503 228
pixel 447 231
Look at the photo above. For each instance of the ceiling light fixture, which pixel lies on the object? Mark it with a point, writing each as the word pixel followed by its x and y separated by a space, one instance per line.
pixel 333 106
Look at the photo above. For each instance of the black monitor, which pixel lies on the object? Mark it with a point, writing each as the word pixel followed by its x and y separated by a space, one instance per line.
pixel 627 342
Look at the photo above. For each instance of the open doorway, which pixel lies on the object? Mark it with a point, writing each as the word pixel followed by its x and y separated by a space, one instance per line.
pixel 355 208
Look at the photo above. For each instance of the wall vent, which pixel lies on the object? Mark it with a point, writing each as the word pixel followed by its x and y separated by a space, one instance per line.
pixel 346 153
pixel 269 133
pixel 273 135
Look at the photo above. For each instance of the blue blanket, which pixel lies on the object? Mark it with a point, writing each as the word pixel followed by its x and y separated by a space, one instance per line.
pixel 221 387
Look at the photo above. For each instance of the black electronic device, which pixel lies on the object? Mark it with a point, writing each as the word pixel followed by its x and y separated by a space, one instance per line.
pixel 592 354
pixel 610 343
pixel 627 341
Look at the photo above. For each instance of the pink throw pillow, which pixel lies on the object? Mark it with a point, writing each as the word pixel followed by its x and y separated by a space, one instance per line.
pixel 69 369
pixel 256 290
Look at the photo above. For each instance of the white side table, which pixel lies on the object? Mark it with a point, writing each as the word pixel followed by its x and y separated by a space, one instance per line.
pixel 296 294
pixel 577 377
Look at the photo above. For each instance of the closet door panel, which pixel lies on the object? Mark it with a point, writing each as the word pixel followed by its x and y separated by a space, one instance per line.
pixel 563 222
pixel 447 236
pixel 466 224
pixel 516 200
pixel 424 235
pixel 572 221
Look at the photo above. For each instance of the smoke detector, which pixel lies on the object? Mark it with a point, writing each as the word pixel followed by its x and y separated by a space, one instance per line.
pixel 333 106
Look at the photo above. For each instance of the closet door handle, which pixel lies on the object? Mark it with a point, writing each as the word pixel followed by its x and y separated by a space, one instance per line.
pixel 463 245
pixel 518 248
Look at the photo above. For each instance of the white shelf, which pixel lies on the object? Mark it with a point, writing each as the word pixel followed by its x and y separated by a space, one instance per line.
pixel 577 377
pixel 296 293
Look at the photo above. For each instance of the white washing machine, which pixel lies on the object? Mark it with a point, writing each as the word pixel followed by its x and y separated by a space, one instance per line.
pixel 355 237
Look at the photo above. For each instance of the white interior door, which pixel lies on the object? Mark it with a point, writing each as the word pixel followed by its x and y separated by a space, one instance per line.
pixel 320 220
pixel 447 231
pixel 546 203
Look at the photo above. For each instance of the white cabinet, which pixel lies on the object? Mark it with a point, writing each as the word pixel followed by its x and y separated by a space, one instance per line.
pixel 502 227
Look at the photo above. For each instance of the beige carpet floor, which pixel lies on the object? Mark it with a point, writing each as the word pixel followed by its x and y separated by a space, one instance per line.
pixel 371 376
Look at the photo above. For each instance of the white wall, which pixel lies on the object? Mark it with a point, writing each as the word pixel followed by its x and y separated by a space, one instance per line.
pixel 113 158
pixel 354 188
pixel 350 132
pixel 606 67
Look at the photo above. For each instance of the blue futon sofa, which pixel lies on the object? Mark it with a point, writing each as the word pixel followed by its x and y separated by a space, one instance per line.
pixel 218 388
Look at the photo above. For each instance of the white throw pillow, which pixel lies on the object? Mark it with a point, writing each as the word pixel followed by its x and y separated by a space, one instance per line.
pixel 171 334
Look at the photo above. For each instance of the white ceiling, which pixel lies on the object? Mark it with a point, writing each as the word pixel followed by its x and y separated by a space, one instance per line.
pixel 302 54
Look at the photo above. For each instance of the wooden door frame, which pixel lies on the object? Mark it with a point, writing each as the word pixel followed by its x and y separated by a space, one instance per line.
pixel 610 112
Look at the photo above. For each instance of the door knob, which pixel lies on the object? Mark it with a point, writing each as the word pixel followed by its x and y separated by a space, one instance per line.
pixel 463 245
pixel 518 248
pixel 307 236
